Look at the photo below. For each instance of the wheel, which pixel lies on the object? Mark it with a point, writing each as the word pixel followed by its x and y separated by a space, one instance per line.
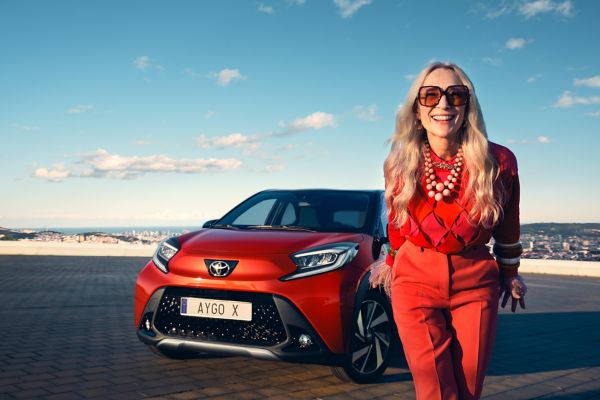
pixel 373 341
pixel 174 354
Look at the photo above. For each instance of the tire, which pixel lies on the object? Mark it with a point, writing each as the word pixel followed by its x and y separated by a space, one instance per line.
pixel 373 340
pixel 174 354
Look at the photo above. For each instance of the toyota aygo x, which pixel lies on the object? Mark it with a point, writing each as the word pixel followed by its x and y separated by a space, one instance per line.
pixel 282 276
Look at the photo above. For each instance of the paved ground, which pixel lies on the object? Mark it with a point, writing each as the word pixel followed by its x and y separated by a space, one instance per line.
pixel 68 333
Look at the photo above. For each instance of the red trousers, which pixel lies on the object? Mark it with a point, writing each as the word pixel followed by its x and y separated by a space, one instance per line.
pixel 445 308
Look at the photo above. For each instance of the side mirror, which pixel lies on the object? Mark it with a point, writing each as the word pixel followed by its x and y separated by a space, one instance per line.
pixel 209 223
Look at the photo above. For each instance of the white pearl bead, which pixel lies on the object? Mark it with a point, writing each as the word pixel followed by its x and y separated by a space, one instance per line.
pixel 428 180
pixel 429 187
pixel 431 193
pixel 446 192
pixel 438 196
pixel 453 179
pixel 432 176
pixel 458 168
pixel 439 187
pixel 446 183
pixel 451 186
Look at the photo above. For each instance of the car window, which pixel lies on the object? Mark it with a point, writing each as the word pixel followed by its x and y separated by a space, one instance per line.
pixel 314 209
pixel 383 215
pixel 289 216
pixel 352 218
pixel 257 214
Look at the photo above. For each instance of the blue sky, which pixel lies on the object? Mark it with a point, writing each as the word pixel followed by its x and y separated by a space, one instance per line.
pixel 170 113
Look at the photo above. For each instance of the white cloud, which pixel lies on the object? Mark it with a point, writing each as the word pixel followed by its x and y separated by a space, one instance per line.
pixel 80 108
pixel 533 8
pixel 190 72
pixel 316 120
pixel 567 99
pixel 543 139
pixel 534 78
pixel 209 114
pixel 515 43
pixel 266 9
pixel 225 76
pixel 368 113
pixel 496 62
pixel 249 144
pixel 296 2
pixel 526 9
pixel 349 7
pixel 141 142
pixel 102 164
pixel 410 77
pixel 594 82
pixel 142 62
pixel 25 128
pixel 593 114
pixel 58 174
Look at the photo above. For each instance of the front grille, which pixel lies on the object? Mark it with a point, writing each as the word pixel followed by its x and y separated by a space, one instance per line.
pixel 265 328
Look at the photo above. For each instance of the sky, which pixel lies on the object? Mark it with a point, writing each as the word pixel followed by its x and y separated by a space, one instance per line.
pixel 144 113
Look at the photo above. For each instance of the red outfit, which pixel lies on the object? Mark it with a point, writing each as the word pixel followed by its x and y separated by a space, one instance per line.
pixel 445 284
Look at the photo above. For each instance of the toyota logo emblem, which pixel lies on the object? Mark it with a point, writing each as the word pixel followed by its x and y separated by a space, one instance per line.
pixel 220 268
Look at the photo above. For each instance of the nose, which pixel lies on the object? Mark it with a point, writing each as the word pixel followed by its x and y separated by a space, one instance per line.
pixel 443 103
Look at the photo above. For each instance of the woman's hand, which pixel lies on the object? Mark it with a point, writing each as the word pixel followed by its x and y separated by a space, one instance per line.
pixel 514 287
pixel 381 276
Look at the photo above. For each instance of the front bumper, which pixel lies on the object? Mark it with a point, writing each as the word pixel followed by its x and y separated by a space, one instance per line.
pixel 273 333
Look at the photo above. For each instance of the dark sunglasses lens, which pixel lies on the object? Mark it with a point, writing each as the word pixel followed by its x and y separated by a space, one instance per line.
pixel 429 96
pixel 458 96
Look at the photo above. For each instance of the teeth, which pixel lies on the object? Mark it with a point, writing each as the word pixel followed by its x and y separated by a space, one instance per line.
pixel 442 117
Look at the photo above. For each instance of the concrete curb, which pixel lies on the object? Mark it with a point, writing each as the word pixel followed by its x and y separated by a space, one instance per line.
pixel 33 248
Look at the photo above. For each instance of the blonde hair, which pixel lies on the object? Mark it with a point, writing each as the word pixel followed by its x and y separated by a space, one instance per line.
pixel 401 167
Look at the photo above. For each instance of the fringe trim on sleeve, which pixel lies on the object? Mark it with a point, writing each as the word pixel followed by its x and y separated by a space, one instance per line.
pixel 381 275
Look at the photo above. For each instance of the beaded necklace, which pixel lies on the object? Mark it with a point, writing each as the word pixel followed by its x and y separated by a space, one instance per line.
pixel 437 188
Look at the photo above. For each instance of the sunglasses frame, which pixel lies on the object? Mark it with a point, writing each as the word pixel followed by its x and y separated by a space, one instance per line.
pixel 445 93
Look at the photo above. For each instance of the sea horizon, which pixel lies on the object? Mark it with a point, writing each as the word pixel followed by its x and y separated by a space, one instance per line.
pixel 114 229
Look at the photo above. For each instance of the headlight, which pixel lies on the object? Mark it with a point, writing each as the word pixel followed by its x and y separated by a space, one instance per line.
pixel 165 251
pixel 318 260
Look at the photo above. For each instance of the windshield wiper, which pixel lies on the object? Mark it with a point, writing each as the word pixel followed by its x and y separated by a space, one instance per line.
pixel 226 226
pixel 281 227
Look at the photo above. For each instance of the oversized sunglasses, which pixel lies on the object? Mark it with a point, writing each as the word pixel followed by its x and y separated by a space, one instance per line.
pixel 430 96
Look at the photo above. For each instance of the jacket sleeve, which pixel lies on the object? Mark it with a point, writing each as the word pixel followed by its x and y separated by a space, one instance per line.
pixel 507 244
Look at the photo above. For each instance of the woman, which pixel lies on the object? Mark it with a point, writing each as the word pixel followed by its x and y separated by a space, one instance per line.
pixel 448 191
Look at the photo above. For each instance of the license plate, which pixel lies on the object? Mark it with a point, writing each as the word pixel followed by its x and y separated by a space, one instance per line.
pixel 211 308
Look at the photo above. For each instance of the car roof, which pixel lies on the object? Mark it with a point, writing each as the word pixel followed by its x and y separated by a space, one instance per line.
pixel 326 189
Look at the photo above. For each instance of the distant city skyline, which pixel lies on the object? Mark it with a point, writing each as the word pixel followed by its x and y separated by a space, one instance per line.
pixel 145 113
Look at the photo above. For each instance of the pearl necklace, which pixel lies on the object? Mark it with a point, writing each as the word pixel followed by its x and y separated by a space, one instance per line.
pixel 435 187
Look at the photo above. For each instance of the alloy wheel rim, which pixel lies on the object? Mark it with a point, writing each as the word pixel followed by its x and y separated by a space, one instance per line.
pixel 372 338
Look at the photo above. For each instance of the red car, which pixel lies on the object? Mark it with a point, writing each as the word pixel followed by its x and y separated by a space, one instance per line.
pixel 283 275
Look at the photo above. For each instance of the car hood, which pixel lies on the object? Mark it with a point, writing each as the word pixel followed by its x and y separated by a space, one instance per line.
pixel 229 241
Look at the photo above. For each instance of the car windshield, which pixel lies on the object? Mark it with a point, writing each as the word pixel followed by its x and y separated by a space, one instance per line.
pixel 303 210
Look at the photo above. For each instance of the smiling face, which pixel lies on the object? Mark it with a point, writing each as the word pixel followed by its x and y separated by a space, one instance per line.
pixel 443 120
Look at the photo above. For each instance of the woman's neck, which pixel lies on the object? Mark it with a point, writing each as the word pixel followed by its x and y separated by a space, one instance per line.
pixel 444 148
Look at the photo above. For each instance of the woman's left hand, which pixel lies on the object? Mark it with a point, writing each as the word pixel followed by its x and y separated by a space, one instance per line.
pixel 515 288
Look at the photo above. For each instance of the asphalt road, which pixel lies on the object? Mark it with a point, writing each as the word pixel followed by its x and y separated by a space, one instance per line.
pixel 67 332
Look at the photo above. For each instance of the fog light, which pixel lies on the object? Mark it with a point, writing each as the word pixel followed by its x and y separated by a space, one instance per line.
pixel 305 341
pixel 147 324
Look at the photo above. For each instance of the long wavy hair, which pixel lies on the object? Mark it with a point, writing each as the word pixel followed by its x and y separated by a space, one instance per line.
pixel 402 167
